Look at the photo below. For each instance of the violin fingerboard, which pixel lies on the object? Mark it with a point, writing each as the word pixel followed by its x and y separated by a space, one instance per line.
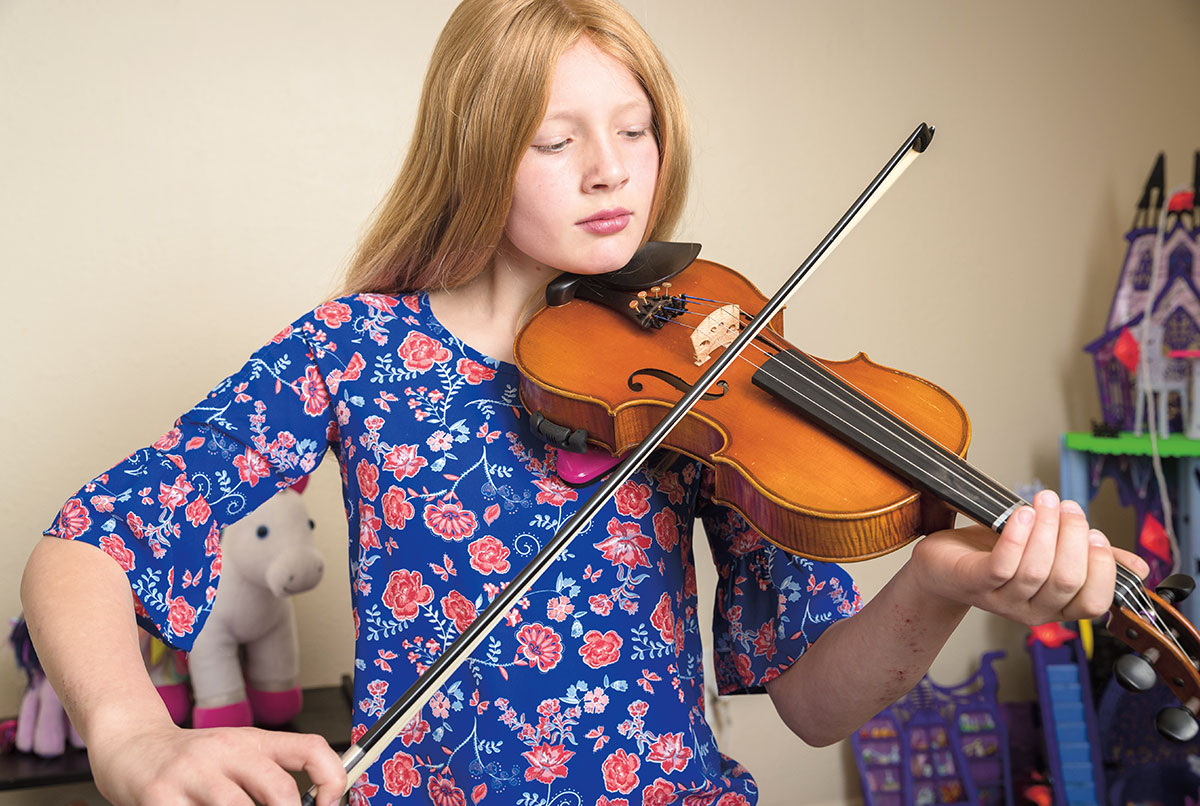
pixel 841 409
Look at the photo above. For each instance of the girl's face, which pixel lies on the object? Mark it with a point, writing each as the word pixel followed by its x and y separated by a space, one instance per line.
pixel 583 189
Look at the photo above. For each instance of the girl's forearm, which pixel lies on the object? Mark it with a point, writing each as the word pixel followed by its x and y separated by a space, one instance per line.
pixel 79 609
pixel 864 663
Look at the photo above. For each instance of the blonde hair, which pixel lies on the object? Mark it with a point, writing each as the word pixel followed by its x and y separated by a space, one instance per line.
pixel 484 96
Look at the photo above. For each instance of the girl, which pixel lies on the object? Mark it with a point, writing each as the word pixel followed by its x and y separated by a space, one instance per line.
pixel 550 138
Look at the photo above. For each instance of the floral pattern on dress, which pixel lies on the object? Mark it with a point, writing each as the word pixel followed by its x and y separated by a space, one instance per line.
pixel 590 690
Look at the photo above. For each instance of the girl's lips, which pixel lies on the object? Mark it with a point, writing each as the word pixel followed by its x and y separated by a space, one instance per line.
pixel 606 222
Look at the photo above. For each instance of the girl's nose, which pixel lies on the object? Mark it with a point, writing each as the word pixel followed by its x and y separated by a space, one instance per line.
pixel 607 170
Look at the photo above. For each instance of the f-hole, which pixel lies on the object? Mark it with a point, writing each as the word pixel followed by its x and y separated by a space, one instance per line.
pixel 674 381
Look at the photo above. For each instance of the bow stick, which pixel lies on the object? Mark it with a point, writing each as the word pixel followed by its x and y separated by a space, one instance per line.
pixel 363 753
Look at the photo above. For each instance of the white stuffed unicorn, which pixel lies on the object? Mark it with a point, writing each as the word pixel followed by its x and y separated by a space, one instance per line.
pixel 265 558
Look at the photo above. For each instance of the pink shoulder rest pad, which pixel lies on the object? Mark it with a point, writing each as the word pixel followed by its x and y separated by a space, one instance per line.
pixel 579 469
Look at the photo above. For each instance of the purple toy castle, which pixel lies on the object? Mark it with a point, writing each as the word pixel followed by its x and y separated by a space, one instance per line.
pixel 1172 294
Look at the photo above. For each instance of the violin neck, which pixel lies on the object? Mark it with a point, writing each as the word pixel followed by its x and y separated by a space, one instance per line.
pixel 848 414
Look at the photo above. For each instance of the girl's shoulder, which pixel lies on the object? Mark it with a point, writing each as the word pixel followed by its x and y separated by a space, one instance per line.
pixel 364 327
pixel 368 322
pixel 382 308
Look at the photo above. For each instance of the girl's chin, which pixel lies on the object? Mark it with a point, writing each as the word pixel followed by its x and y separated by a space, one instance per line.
pixel 605 261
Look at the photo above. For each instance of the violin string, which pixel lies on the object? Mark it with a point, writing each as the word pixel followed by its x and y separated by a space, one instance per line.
pixel 868 409
pixel 765 336
pixel 999 495
pixel 1131 594
pixel 712 303
pixel 1133 581
pixel 1128 587
pixel 1133 597
pixel 983 483
pixel 743 357
pixel 915 439
pixel 715 302
pixel 1001 499
pixel 1126 593
pixel 1131 587
pixel 1130 581
pixel 887 423
pixel 1145 606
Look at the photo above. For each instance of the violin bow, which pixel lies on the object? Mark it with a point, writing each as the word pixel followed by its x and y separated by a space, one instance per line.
pixel 364 752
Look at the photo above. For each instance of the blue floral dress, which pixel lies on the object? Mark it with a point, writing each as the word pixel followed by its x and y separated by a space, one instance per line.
pixel 590 691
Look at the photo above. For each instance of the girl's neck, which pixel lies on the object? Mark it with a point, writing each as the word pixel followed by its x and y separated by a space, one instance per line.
pixel 486 312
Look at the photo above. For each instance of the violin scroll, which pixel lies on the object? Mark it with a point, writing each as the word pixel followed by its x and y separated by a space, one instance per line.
pixel 1167 647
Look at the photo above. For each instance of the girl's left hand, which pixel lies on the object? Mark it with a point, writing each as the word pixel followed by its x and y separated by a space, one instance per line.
pixel 1046 565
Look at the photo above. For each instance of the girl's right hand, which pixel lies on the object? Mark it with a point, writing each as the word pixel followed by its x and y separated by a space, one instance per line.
pixel 172 766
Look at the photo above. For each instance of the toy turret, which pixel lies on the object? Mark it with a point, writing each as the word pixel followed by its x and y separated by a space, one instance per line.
pixel 1152 197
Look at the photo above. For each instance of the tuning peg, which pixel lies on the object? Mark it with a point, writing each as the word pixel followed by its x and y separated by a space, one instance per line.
pixel 1134 673
pixel 1175 588
pixel 1176 724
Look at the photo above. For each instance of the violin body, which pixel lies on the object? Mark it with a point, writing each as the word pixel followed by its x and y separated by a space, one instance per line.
pixel 588 366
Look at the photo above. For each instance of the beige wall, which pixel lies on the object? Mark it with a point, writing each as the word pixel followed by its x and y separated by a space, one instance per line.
pixel 180 180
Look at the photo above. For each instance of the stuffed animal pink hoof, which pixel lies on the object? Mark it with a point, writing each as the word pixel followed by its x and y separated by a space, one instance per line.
pixel 275 707
pixel 175 697
pixel 236 715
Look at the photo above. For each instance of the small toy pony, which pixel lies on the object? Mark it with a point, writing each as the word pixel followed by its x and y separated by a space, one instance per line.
pixel 265 558
pixel 42 725
pixel 43 728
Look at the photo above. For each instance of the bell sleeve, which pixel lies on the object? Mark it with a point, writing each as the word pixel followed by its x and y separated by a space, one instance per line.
pixel 160 511
pixel 770 605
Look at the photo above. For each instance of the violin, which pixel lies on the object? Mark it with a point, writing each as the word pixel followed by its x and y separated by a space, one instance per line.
pixel 773 425
pixel 799 481
pixel 831 460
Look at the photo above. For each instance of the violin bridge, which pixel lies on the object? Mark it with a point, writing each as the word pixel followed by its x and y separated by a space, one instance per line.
pixel 718 329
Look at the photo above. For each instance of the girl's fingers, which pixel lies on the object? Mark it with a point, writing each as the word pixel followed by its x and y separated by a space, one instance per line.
pixel 1096 595
pixel 1071 568
pixel 1047 565
pixel 312 754
pixel 1132 562
pixel 1040 529
pixel 1004 558
pixel 257 762
pixel 267 782
pixel 221 790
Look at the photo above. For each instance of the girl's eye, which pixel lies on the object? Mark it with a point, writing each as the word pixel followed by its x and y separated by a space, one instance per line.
pixel 553 148
pixel 634 134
